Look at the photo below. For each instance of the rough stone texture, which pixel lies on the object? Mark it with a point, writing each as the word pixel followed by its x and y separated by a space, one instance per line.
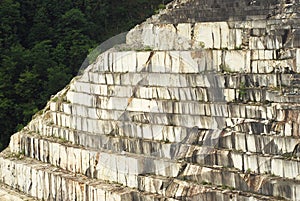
pixel 201 103
pixel 7 194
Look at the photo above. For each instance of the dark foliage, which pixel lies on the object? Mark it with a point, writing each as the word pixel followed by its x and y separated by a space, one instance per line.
pixel 44 42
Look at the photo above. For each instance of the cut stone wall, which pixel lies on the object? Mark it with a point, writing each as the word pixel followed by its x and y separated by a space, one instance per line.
pixel 201 103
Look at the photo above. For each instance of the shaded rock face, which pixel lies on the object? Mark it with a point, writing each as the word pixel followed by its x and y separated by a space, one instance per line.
pixel 223 10
pixel 201 103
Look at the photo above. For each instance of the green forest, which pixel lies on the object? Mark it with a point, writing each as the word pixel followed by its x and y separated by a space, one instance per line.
pixel 43 44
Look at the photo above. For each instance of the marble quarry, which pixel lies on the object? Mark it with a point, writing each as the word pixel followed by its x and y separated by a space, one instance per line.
pixel 202 102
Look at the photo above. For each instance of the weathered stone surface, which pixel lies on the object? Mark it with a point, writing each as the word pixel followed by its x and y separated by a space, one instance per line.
pixel 7 194
pixel 201 103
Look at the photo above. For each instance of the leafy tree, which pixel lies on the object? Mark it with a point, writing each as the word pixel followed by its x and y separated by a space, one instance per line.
pixel 41 58
pixel 7 123
pixel 10 66
pixel 10 19
pixel 74 19
pixel 57 78
pixel 40 30
pixel 27 88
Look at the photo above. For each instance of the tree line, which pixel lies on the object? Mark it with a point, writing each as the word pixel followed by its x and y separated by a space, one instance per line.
pixel 44 42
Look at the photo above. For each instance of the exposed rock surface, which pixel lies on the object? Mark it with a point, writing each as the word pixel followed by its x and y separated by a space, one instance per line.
pixel 201 103
pixel 7 194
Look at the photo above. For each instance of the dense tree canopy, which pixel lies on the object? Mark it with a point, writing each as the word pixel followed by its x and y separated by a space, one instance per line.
pixel 44 42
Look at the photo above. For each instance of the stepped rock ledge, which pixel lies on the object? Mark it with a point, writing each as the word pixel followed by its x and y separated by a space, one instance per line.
pixel 202 102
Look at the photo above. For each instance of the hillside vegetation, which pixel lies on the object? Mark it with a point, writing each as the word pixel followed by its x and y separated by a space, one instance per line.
pixel 44 42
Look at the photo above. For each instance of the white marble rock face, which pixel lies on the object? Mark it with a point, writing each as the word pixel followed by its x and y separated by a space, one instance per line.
pixel 191 109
